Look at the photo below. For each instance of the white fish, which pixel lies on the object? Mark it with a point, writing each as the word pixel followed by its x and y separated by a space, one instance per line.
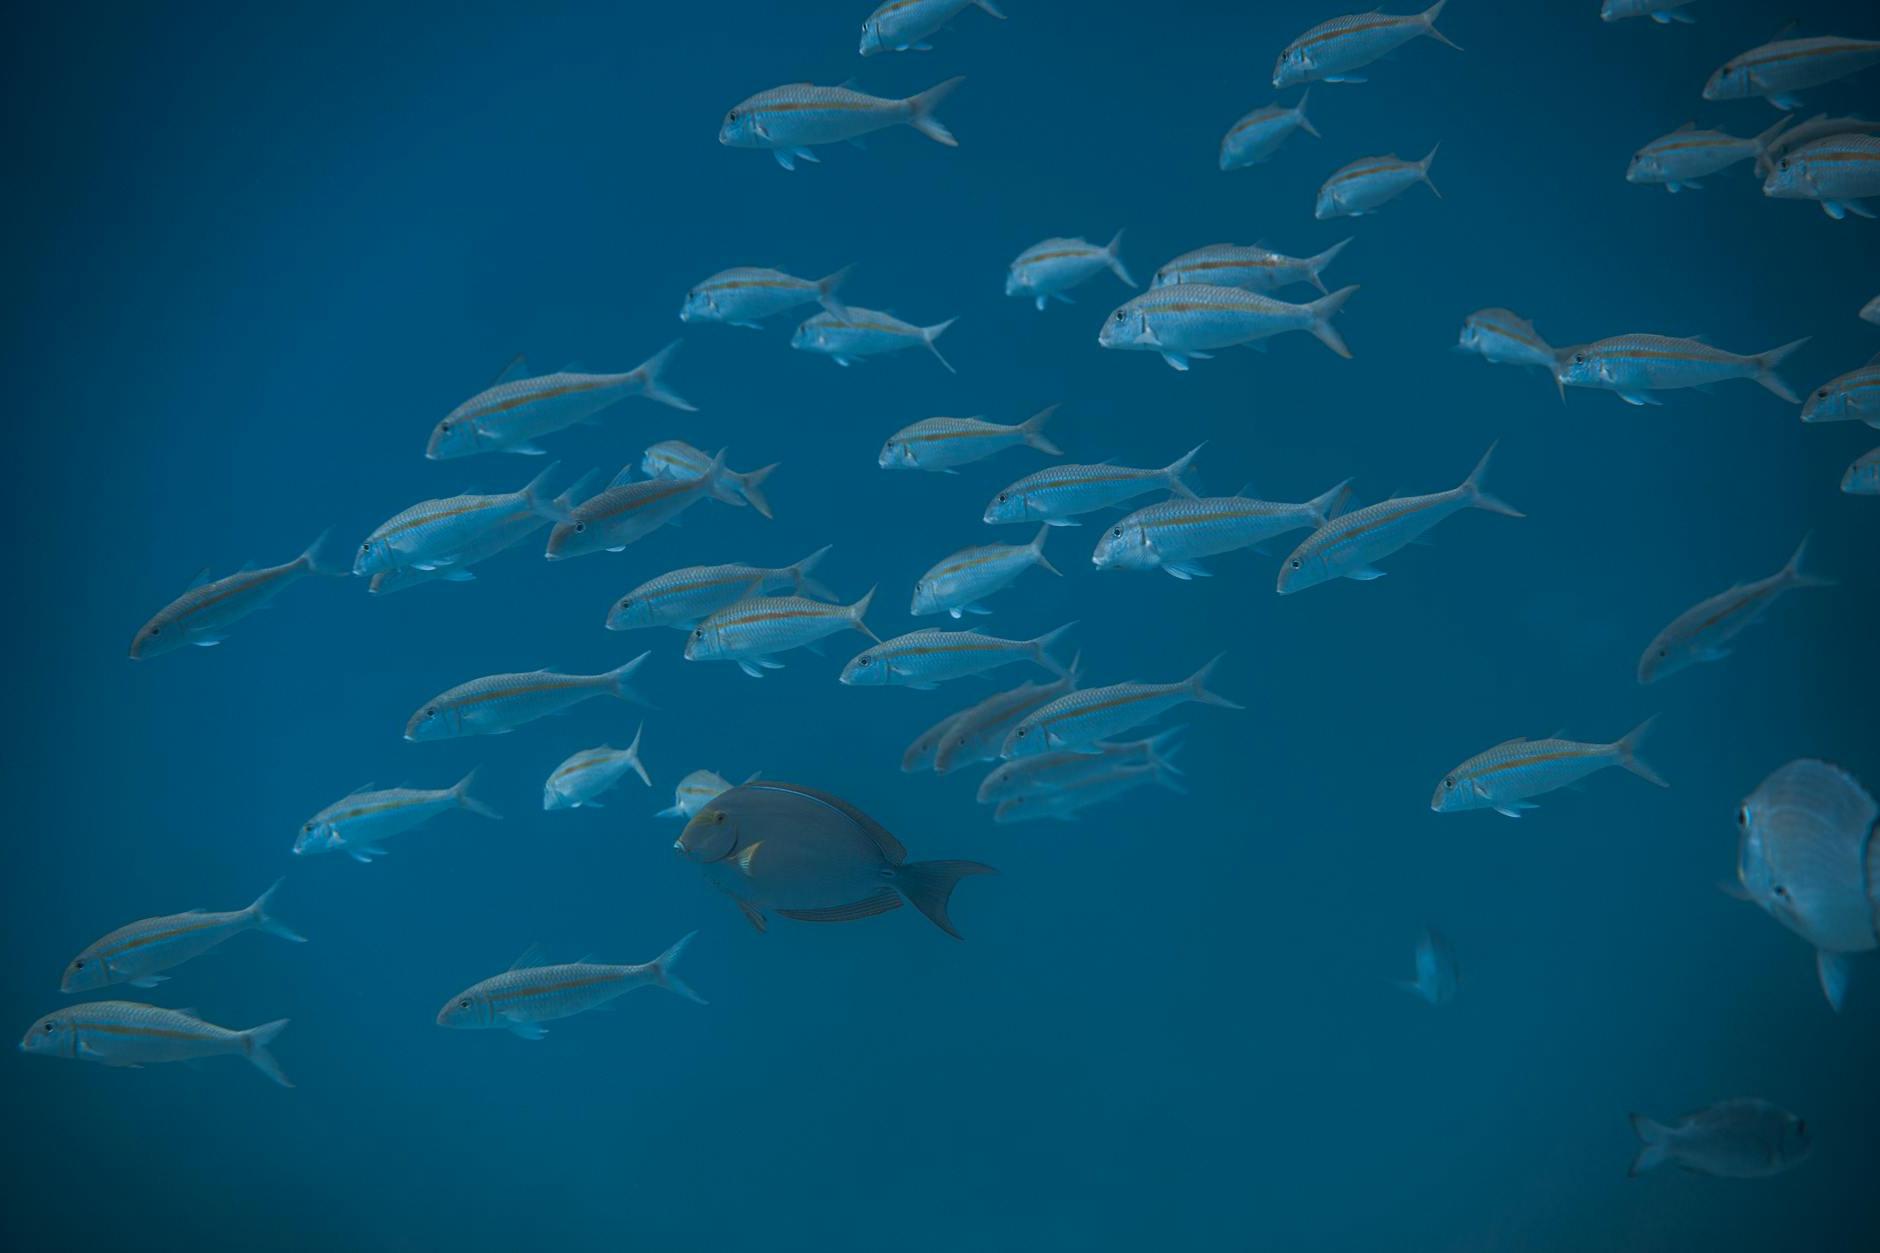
pixel 362 821
pixel 746 295
pixel 1183 321
pixel 1046 270
pixel 1436 979
pixel 1333 51
pixel 693 791
pixel 206 611
pixel 1254 268
pixel 1365 185
pixel 137 952
pixel 940 444
pixel 578 781
pixel 904 25
pixel 129 1034
pixel 1506 338
pixel 517 410
pixel 531 992
pixel 961 583
pixel 1676 161
pixel 1259 134
pixel 860 333
pixel 788 121
pixel 923 659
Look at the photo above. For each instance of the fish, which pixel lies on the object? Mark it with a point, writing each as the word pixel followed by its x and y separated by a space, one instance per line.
pixel 138 952
pixel 1350 545
pixel 1174 535
pixel 788 121
pixel 531 992
pixel 685 598
pixel 434 534
pixel 1079 720
pixel 1840 173
pixel 1065 803
pixel 1704 631
pixel 751 632
pixel 1437 978
pixel 359 823
pixel 517 410
pixel 627 510
pixel 1506 776
pixel 925 659
pixel 1056 494
pixel 941 444
pixel 1851 397
pixel 1367 184
pixel 1778 71
pixel 208 610
pixel 133 1035
pixel 1819 126
pixel 1870 312
pixel 920 754
pixel 800 853
pixel 1806 857
pixel 1046 270
pixel 867 333
pixel 1676 161
pixel 1253 268
pixel 978 734
pixel 1863 477
pixel 904 25
pixel 676 459
pixel 576 782
pixel 746 295
pixel 499 703
pixel 1737 1139
pixel 1663 12
pixel 1333 51
pixel 1258 135
pixel 1051 772
pixel 499 534
pixel 692 792
pixel 960 584
pixel 1506 338
pixel 1182 321
pixel 1637 365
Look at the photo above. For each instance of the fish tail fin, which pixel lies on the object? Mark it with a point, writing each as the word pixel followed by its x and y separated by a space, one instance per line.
pixel 1793 573
pixel 826 291
pixel 617 684
pixel 1041 650
pixel 633 756
pixel 1037 551
pixel 1162 748
pixel 1766 363
pixel 929 334
pixel 649 371
pixel 460 792
pixel 856 611
pixel 1428 18
pixel 1654 1145
pixel 1114 258
pixel 991 8
pixel 311 555
pixel 1478 497
pixel 264 921
pixel 1305 123
pixel 660 968
pixel 255 1043
pixel 1197 685
pixel 1423 170
pixel 800 579
pixel 928 885
pixel 1322 310
pixel 674 810
pixel 748 484
pixel 1628 753
pixel 920 111
pixel 1768 137
pixel 1176 472
pixel 1327 504
pixel 1033 430
pixel 1315 264
pixel 533 495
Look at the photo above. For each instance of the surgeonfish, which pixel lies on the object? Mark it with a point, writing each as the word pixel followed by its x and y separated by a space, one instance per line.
pixel 1737 1139
pixel 531 992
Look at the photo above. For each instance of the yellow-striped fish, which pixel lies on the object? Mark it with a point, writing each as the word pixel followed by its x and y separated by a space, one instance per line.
pixel 531 993
pixel 130 1034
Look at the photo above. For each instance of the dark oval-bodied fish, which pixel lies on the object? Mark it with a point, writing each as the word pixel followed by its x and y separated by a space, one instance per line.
pixel 1740 1139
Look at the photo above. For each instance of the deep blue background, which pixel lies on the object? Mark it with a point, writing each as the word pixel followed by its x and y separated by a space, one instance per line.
pixel 257 254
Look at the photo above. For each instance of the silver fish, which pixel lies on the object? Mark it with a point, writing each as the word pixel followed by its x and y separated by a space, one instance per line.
pixel 1507 775
pixel 1046 270
pixel 788 121
pixel 751 632
pixel 1332 51
pixel 1066 802
pixel 1437 977
pixel 684 598
pixel 1676 161
pixel 940 444
pixel 1081 719
pixel 1704 631
pixel 1174 535
pixel 499 703
pixel 578 781
pixel 1863 477
pixel 863 332
pixel 1051 772
pixel 692 792
pixel 1777 71
pixel 804 854
pixel 1738 1139
pixel 129 1034
pixel 1635 366
pixel 920 754
pixel 1057 494
pixel 627 510
pixel 924 659
pixel 1254 268
pixel 978 734
pixel 518 410
pixel 1351 545
pixel 1663 12
pixel 676 459
pixel 137 952
pixel 961 583
pixel 437 533
pixel 359 823
pixel 746 295
pixel 1819 126
pixel 205 612
pixel 904 25
pixel 1365 185
pixel 1839 173
pixel 1806 856
pixel 531 992
pixel 1259 134
pixel 1506 338
pixel 502 533
pixel 1183 321
pixel 1852 397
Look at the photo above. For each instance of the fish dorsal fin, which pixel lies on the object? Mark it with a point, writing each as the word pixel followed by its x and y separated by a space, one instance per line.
pixel 891 848
pixel 573 367
pixel 189 1011
pixel 246 567
pixel 1518 739
pixel 532 956
pixel 623 478
pixel 1873 360
pixel 1688 126
pixel 584 959
pixel 517 368
pixel 363 787
pixel 202 576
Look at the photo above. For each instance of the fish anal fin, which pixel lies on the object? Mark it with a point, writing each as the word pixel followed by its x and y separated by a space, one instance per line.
pixel 755 915
pixel 880 903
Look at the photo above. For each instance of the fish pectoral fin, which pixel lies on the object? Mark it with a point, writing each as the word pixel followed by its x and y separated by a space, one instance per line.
pixel 976 608
pixel 1513 809
pixel 1640 398
pixel 1786 101
pixel 920 687
pixel 783 158
pixel 880 903
pixel 528 1030
pixel 206 641
pixel 527 450
pixel 148 981
pixel 85 1049
pixel 1188 570
pixel 1832 969
pixel 1364 574
pixel 1175 360
pixel 1475 785
pixel 1346 78
pixel 748 858
pixel 753 326
pixel 755 915
pixel 1062 522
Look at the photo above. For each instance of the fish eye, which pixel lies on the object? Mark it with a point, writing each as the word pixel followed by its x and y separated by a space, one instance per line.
pixel 1783 164
pixel 1118 532
pixel 699 634
pixel 48 1028
pixel 1822 394
pixel 1001 497
pixel 1023 732
pixel 719 816
pixel 1295 563
pixel 866 660
pixel 1664 652
pixel 156 630
pixel 579 527
pixel 731 116
pixel 78 964
pixel 1742 816
pixel 1781 891
pixel 431 712
pixel 464 1004
pixel 626 602
pixel 1119 315
pixel 1449 782
pixel 443 426
pixel 1579 358
pixel 1801 1126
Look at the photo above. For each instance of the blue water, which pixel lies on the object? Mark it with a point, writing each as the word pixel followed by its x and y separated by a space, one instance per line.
pixel 257 255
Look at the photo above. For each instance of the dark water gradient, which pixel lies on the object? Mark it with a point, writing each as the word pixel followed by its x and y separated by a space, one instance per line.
pixel 257 254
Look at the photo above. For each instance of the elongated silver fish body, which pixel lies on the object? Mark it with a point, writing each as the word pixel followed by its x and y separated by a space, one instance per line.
pixel 1862 478
pixel 360 823
pixel 1664 12
pixel 494 535
pixel 684 598
pixel 1841 173
pixel 1704 631
pixel 676 459
pixel 1334 51
pixel 138 952
pixel 1175 534
pixel 978 734
pixel 513 414
pixel 584 776
pixel 1259 134
pixel 961 583
pixel 1852 397
pixel 530 993
pixel 940 444
pixel 1057 494
pixel 922 659
pixel 499 703
pixel 904 25
pixel 127 1033
pixel 204 614
pixel 692 793
pixel 746 295
pixel 1779 70
pixel 1634 366
pixel 751 632
pixel 1367 184
pixel 859 333
pixel 788 121
pixel 1507 775
pixel 1082 718
pixel 631 509
pixel 1050 772
pixel 1183 321
pixel 1678 160
pixel 1506 338
pixel 439 533
pixel 1048 269
pixel 1065 802
pixel 1251 268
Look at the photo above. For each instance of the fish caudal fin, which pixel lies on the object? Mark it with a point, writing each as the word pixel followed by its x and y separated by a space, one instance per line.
pixel 650 386
pixel 663 977
pixel 264 921
pixel 991 8
pixel 555 509
pixel 748 485
pixel 618 686
pixel 1795 576
pixel 1176 472
pixel 1114 259
pixel 1305 123
pixel 1428 18
pixel 461 793
pixel 920 112
pixel 1197 685
pixel 826 291
pixel 1628 753
pixel 255 1043
pixel 1764 140
pixel 1328 504
pixel 1766 363
pixel 1322 311
pixel 860 608
pixel 1654 1141
pixel 929 334
pixel 1040 650
pixel 1479 498
pixel 1315 264
pixel 1423 171
pixel 928 885
pixel 1037 551
pixel 311 556
pixel 1032 429
pixel 633 756
pixel 802 584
